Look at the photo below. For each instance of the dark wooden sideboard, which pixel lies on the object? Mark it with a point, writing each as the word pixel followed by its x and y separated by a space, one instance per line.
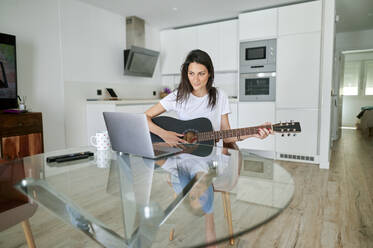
pixel 20 135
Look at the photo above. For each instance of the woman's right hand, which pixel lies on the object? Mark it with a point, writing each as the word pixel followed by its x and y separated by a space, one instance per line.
pixel 172 138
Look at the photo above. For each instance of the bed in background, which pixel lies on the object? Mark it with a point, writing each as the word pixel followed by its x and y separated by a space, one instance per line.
pixel 366 120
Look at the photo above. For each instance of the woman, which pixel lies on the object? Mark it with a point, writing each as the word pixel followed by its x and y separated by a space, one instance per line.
pixel 196 97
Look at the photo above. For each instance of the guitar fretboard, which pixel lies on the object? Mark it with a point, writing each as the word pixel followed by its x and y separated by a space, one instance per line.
pixel 239 132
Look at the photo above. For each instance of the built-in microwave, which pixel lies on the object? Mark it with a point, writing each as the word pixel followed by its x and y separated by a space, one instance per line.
pixel 258 56
pixel 257 86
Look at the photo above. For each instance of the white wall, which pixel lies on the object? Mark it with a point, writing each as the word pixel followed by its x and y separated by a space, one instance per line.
pixel 66 50
pixel 349 41
pixel 93 41
pixel 36 27
pixel 354 40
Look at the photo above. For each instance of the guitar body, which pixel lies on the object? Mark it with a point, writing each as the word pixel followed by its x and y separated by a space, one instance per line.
pixel 189 129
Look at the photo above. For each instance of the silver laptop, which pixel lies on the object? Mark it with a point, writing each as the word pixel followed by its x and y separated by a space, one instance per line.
pixel 129 133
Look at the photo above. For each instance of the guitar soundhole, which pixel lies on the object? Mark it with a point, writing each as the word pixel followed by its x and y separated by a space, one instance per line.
pixel 190 136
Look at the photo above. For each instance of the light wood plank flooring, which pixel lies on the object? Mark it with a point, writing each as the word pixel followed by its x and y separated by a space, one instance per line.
pixel 331 208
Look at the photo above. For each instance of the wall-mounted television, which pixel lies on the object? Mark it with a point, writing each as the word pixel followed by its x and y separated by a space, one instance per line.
pixel 8 72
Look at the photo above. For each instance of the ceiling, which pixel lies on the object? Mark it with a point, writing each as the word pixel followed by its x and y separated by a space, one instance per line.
pixel 164 14
pixel 354 15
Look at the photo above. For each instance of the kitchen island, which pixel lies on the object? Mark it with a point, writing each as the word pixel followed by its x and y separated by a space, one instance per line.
pixel 95 120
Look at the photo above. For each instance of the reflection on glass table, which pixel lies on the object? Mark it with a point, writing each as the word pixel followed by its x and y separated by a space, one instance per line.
pixel 190 199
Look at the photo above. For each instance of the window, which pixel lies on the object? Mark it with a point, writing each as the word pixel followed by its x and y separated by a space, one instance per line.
pixel 351 78
pixel 358 75
pixel 368 77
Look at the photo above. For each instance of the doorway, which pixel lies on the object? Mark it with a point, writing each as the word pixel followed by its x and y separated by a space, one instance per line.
pixel 355 88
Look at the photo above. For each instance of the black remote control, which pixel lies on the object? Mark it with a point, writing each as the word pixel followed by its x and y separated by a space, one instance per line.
pixel 72 155
pixel 60 160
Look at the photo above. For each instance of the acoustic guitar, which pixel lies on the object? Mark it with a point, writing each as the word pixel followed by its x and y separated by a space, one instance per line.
pixel 200 131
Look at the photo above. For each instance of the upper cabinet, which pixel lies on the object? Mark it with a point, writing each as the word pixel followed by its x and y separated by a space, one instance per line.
pixel 208 40
pixel 228 46
pixel 169 57
pixel 258 25
pixel 175 44
pixel 186 41
pixel 298 71
pixel 219 40
pixel 300 18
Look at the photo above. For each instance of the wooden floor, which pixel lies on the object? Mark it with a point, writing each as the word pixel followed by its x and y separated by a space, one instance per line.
pixel 331 208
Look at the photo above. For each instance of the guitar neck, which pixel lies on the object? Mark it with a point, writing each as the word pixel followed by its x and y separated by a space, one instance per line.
pixel 223 134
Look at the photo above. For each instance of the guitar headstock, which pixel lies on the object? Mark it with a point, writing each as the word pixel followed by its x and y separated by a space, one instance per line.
pixel 287 127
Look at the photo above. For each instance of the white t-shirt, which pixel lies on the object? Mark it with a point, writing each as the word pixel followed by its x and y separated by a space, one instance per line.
pixel 196 107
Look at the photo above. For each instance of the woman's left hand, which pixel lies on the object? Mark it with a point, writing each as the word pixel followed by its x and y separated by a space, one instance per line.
pixel 264 132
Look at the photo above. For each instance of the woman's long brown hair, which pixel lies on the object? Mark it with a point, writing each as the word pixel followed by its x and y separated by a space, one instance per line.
pixel 185 87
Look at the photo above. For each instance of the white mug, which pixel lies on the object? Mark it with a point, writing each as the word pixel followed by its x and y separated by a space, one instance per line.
pixel 103 159
pixel 101 141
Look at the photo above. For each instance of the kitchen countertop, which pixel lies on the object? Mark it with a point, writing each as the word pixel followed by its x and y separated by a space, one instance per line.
pixel 136 101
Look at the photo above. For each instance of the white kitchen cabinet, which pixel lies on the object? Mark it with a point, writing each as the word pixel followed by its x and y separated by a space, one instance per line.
pixel 169 55
pixel 95 118
pixel 134 109
pixel 233 116
pixel 298 71
pixel 300 18
pixel 186 41
pixel 254 114
pixel 258 25
pixel 304 143
pixel 208 41
pixel 219 40
pixel 175 45
pixel 228 46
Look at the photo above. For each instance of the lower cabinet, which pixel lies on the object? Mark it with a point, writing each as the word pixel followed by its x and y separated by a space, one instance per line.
pixel 95 119
pixel 254 114
pixel 233 116
pixel 21 135
pixel 21 146
pixel 243 114
pixel 96 123
pixel 305 142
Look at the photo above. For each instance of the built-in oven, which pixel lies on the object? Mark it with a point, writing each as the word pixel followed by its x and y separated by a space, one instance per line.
pixel 259 86
pixel 258 56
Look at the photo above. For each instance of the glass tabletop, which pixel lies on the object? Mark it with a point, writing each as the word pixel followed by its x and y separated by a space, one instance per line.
pixel 189 199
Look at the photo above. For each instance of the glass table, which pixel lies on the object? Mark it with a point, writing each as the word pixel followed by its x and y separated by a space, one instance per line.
pixel 200 197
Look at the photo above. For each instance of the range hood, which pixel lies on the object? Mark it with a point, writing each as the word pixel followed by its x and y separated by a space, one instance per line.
pixel 138 61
